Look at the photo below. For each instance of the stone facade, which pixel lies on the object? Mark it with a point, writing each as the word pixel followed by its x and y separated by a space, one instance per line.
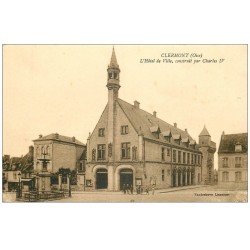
pixel 130 146
pixel 232 161
pixel 207 148
pixel 61 151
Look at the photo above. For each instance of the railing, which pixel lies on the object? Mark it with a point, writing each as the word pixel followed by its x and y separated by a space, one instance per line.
pixel 37 196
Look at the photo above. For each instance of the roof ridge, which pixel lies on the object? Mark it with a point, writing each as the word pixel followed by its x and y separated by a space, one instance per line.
pixel 171 126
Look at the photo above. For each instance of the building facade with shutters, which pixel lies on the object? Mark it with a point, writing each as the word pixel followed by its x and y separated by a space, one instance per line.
pixel 232 161
pixel 130 146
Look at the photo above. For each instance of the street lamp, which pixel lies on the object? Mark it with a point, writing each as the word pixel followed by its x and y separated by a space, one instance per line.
pixel 19 186
pixel 69 184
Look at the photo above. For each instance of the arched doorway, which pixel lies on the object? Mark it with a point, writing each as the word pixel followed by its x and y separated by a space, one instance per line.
pixel 126 177
pixel 101 178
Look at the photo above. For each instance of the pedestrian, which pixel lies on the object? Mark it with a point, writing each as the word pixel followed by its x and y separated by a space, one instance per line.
pixel 147 190
pixel 153 189
pixel 127 188
pixel 124 188
pixel 141 191
pixel 131 189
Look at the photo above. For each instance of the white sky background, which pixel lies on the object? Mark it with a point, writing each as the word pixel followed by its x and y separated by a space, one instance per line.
pixel 124 226
pixel 62 89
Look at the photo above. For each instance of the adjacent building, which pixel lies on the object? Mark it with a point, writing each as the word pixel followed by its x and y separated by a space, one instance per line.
pixel 132 147
pixel 232 160
pixel 60 151
pixel 207 148
pixel 18 171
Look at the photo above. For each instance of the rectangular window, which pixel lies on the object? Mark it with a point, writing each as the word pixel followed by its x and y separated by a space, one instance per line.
pixel 179 156
pixel 225 162
pixel 162 175
pixel 168 151
pixel 237 176
pixel 237 162
pixel 14 175
pixel 125 150
pixel 192 159
pixel 225 176
pixel 124 130
pixel 101 132
pixel 184 158
pixel 195 159
pixel 188 158
pixel 163 154
pixel 174 155
pixel 101 148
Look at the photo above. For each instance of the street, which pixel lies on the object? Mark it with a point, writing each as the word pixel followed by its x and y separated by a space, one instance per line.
pixel 183 194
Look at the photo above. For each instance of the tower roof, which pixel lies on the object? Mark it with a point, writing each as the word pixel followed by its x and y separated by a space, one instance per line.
pixel 204 132
pixel 113 61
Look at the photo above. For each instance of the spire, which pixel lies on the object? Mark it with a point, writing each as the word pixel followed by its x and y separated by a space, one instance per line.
pixel 113 61
pixel 204 132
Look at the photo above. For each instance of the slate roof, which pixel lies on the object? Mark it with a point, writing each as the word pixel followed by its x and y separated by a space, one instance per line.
pixel 62 138
pixel 142 121
pixel 204 132
pixel 228 142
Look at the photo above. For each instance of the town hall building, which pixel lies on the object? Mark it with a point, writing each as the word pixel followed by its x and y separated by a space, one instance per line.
pixel 130 146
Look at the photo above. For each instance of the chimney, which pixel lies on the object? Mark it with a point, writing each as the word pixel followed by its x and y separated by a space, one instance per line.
pixel 40 136
pixel 186 130
pixel 223 133
pixel 175 125
pixel 56 135
pixel 136 104
pixel 154 113
pixel 73 139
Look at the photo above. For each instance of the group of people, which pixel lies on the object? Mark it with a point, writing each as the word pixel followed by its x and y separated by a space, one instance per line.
pixel 128 189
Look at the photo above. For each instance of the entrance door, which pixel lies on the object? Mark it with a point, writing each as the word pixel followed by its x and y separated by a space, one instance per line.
pixel 126 178
pixel 101 178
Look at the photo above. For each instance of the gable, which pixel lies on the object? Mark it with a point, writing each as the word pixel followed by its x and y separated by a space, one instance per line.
pixel 102 123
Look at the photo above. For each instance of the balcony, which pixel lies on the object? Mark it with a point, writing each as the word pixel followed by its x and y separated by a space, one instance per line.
pixel 238 165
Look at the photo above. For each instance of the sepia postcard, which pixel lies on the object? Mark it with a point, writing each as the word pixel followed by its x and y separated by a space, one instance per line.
pixel 125 123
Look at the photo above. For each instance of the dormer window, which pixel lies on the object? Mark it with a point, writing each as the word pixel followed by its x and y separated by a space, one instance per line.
pixel 238 147
pixel 185 141
pixel 192 144
pixel 177 138
pixel 101 132
pixel 155 130
pixel 167 135
pixel 110 75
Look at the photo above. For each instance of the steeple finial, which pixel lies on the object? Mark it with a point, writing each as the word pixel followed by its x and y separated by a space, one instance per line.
pixel 113 61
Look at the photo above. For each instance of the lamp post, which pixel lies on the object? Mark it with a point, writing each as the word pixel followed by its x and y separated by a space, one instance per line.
pixel 69 184
pixel 19 186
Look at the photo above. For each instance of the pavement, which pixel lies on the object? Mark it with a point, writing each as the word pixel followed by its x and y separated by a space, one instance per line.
pixel 199 193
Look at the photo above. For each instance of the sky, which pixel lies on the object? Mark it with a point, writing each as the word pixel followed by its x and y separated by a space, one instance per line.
pixel 62 88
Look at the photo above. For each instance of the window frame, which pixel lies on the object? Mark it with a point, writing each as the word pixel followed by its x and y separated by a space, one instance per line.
pixel 126 150
pixel 101 132
pixel 124 129
pixel 102 151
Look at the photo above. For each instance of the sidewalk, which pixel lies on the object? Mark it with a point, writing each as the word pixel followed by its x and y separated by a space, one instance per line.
pixel 157 191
